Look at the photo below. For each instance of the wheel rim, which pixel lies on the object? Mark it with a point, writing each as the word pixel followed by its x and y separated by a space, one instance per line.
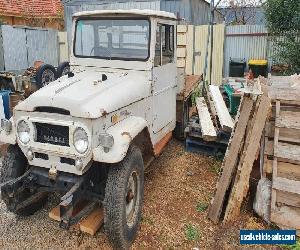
pixel 132 198
pixel 65 71
pixel 47 77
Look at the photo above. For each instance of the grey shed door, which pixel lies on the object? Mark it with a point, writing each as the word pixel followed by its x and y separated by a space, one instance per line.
pixel 14 48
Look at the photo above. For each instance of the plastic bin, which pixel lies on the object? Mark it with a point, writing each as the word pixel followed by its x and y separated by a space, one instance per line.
pixel 234 101
pixel 258 67
pixel 5 99
pixel 237 67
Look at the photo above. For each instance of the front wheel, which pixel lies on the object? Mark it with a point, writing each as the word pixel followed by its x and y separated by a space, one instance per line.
pixel 123 199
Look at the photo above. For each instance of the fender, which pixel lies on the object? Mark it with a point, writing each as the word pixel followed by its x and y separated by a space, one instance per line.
pixel 123 132
pixel 11 137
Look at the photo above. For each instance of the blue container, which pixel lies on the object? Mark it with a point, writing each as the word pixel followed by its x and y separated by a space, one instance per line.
pixel 5 99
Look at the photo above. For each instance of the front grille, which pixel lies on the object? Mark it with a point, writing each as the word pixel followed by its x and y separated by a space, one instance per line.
pixel 52 134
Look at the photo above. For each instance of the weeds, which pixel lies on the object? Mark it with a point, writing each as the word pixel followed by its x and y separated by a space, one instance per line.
pixel 191 232
pixel 293 247
pixel 201 206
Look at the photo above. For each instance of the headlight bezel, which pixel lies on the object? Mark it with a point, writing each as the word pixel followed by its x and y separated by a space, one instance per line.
pixel 80 129
pixel 26 142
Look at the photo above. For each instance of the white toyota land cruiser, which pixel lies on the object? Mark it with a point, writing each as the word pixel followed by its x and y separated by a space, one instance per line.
pixel 91 133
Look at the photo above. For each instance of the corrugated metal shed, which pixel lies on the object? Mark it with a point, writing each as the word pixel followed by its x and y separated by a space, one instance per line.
pixel 192 11
pixel 245 42
pixel 21 46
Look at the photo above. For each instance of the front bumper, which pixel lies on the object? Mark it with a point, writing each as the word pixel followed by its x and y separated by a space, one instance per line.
pixel 36 181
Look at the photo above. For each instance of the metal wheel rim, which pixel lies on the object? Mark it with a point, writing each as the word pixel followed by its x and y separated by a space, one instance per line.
pixel 47 77
pixel 132 198
pixel 65 71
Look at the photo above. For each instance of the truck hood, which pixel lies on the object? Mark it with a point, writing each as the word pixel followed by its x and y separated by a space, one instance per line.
pixel 86 95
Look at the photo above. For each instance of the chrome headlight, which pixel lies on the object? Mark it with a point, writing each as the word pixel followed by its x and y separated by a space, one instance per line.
pixel 23 131
pixel 81 140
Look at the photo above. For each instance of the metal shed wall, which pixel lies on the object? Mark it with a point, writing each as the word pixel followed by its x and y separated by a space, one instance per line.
pixel 245 42
pixel 21 46
pixel 195 12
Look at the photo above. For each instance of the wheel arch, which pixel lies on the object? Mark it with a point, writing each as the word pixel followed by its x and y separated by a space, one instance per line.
pixel 131 130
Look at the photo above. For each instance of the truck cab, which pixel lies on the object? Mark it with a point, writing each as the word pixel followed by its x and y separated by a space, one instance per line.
pixel 92 133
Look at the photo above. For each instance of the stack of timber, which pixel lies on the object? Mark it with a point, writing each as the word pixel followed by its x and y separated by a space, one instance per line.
pixel 281 161
pixel 243 148
pixel 209 132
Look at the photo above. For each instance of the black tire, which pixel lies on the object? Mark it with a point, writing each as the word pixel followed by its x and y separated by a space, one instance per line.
pixel 14 165
pixel 45 74
pixel 63 69
pixel 120 227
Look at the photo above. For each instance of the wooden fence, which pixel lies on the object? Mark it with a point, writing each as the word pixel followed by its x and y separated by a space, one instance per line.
pixel 191 50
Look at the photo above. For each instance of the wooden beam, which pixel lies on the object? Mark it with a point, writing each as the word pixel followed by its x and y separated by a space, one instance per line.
pixel 92 222
pixel 286 185
pixel 288 119
pixel 222 111
pixel 230 159
pixel 252 144
pixel 287 216
pixel 288 151
pixel 207 127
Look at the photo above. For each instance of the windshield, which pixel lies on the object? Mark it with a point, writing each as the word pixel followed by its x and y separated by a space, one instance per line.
pixel 112 39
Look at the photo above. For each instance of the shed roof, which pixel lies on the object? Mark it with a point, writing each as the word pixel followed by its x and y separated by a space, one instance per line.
pixel 139 12
pixel 31 8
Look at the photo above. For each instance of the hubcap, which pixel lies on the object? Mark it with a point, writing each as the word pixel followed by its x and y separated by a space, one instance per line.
pixel 47 77
pixel 132 198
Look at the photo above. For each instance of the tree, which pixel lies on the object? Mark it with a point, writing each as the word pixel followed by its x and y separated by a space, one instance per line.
pixel 283 21
pixel 240 12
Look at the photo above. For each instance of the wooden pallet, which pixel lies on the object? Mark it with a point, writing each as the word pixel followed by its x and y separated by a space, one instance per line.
pixel 285 200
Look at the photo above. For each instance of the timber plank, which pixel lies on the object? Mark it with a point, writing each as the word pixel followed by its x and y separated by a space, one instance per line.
pixel 286 185
pixel 207 127
pixel 285 134
pixel 288 151
pixel 221 109
pixel 287 216
pixel 230 159
pixel 284 169
pixel 252 144
pixel 92 222
pixel 287 198
pixel 288 119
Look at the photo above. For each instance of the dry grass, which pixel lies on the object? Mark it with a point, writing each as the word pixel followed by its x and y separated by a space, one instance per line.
pixel 177 192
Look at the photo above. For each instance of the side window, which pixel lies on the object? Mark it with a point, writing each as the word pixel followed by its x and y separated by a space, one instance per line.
pixel 164 47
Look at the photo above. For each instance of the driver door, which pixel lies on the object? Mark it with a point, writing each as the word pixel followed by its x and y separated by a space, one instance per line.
pixel 164 78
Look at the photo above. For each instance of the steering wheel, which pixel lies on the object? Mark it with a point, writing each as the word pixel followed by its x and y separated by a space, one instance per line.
pixel 106 52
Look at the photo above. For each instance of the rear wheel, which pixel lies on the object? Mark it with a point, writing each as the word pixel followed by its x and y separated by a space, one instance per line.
pixel 14 165
pixel 123 199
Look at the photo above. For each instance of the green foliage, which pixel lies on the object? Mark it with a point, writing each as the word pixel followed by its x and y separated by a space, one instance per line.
pixel 293 247
pixel 283 21
pixel 191 232
pixel 201 206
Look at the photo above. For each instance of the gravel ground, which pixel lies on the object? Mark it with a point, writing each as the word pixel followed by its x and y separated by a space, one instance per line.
pixel 177 192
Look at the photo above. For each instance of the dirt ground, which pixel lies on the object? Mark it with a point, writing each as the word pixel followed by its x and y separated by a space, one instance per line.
pixel 177 193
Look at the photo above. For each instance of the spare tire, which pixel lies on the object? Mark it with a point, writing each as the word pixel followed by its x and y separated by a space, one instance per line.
pixel 63 69
pixel 45 74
